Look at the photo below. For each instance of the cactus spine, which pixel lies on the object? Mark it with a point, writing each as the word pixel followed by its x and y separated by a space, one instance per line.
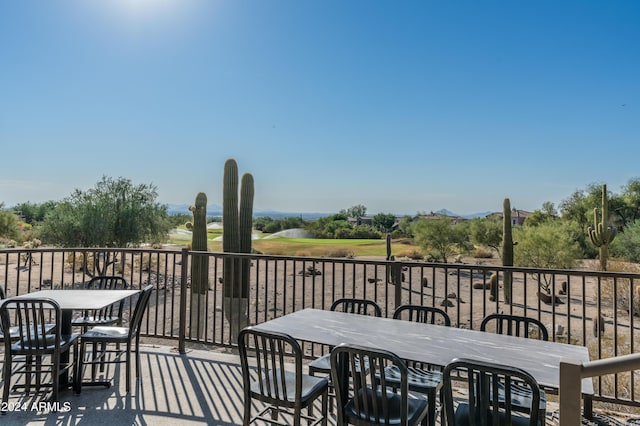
pixel 236 238
pixel 199 263
pixel 600 233
pixel 507 249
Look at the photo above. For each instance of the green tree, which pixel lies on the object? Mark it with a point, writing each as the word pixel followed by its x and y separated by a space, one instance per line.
pixel 486 231
pixel 440 237
pixel 8 224
pixel 550 245
pixel 383 222
pixel 34 213
pixel 115 213
pixel 627 244
pixel 356 211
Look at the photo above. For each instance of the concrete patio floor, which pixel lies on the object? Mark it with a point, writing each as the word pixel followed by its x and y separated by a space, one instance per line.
pixel 201 387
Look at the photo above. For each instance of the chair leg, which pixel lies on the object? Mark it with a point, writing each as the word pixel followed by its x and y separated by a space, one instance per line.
pixel 247 411
pixel 431 413
pixel 325 413
pixel 128 366
pixel 6 372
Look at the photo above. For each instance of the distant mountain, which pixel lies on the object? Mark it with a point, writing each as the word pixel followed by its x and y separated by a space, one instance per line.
pixel 466 216
pixel 216 210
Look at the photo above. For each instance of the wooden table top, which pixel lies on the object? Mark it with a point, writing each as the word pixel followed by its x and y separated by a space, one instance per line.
pixel 81 299
pixel 433 344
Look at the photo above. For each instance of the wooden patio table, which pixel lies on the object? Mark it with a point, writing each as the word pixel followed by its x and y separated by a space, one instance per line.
pixel 71 300
pixel 435 344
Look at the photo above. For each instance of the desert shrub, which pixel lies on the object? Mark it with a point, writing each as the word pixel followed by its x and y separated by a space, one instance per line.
pixel 411 254
pixel 481 253
pixel 340 252
pixel 76 262
pixel 621 287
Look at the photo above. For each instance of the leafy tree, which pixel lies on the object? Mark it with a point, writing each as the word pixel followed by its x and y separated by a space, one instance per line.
pixel 486 231
pixel 356 211
pixel 34 213
pixel 546 213
pixel 630 212
pixel 115 213
pixel 8 224
pixel 326 227
pixel 440 237
pixel 627 244
pixel 549 245
pixel 383 222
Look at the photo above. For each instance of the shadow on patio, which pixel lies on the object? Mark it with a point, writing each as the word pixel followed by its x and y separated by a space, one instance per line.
pixel 201 387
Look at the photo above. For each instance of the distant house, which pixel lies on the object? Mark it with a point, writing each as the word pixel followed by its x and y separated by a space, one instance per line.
pixel 362 220
pixel 517 216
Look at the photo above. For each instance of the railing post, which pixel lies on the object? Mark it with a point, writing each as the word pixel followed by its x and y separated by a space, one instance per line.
pixel 184 268
pixel 570 390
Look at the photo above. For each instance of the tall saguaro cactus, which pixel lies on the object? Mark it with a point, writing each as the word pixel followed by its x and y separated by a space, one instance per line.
pixel 199 264
pixel 236 238
pixel 600 233
pixel 507 249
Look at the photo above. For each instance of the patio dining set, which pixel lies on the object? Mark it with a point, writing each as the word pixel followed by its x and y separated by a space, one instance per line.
pixel 402 370
pixel 52 337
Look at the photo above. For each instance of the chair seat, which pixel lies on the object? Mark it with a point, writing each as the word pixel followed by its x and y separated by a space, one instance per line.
pixel 418 379
pixel 521 399
pixel 14 332
pixel 311 387
pixel 417 407
pixel 104 334
pixel 462 417
pixel 320 365
pixel 88 321
pixel 28 346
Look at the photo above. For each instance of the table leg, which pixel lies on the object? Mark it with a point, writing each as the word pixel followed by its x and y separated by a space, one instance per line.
pixel 66 329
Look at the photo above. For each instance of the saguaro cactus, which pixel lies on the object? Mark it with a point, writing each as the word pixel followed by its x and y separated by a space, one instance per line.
pixel 236 238
pixel 600 233
pixel 199 264
pixel 507 249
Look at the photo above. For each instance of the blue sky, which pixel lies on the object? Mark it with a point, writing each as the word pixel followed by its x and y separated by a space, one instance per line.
pixel 402 106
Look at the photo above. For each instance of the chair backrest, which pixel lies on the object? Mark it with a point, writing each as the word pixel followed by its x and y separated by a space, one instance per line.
pixel 107 282
pixel 272 351
pixel 514 325
pixel 138 312
pixel 359 379
pixel 424 314
pixel 31 318
pixel 482 382
pixel 357 306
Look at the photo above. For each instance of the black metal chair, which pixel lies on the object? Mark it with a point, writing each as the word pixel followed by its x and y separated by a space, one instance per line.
pixel 363 394
pixel 31 318
pixel 105 337
pixel 14 332
pixel 321 364
pixel 520 326
pixel 421 378
pixel 514 325
pixel 484 406
pixel 109 315
pixel 283 390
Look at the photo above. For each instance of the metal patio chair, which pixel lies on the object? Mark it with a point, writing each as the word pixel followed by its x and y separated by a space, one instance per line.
pixel 107 340
pixel 281 388
pixel 483 406
pixel 421 378
pixel 365 397
pixel 34 351
pixel 520 326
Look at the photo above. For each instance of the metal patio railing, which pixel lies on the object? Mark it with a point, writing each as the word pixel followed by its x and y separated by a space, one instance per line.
pixel 590 308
